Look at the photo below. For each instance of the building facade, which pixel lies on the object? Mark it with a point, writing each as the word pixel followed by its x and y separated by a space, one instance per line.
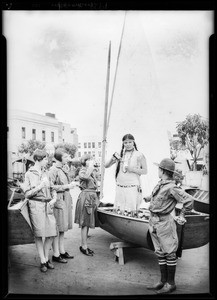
pixel 23 126
pixel 90 145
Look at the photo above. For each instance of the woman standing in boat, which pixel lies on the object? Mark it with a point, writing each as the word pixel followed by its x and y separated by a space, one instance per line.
pixel 63 206
pixel 162 226
pixel 130 165
pixel 85 212
pixel 41 200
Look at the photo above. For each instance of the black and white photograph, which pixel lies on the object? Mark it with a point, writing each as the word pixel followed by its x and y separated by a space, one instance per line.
pixel 108 152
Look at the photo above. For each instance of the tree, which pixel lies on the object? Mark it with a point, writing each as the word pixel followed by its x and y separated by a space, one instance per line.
pixel 175 147
pixel 30 146
pixel 194 135
pixel 70 148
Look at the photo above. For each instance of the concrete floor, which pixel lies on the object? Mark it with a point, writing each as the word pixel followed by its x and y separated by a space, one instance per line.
pixel 101 274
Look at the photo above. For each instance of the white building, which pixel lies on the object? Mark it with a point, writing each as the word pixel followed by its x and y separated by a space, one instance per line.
pixel 23 126
pixel 90 145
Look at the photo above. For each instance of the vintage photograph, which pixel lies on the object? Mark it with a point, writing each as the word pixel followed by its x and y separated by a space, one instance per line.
pixel 108 151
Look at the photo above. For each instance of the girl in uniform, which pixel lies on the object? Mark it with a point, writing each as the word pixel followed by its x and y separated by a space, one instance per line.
pixel 85 212
pixel 41 197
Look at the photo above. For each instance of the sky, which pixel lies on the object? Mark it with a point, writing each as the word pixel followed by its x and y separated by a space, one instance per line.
pixel 58 60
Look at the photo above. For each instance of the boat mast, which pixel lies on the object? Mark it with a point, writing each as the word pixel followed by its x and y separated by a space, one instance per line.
pixel 116 69
pixel 105 123
pixel 106 114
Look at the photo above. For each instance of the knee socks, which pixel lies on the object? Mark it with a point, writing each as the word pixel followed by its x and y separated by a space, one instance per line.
pixel 171 270
pixel 163 268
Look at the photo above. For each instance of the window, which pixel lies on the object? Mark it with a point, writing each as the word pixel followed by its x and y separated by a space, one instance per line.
pixel 63 128
pixel 89 145
pixel 23 132
pixel 85 145
pixel 72 131
pixel 93 145
pixel 89 152
pixel 79 145
pixel 79 154
pixel 52 136
pixel 43 135
pixel 99 152
pixel 85 152
pixel 99 144
pixel 34 134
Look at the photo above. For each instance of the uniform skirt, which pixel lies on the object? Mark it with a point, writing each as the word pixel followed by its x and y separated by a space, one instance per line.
pixel 42 219
pixel 86 209
pixel 63 211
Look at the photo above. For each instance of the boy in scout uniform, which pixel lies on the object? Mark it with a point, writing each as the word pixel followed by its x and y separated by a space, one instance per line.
pixel 162 225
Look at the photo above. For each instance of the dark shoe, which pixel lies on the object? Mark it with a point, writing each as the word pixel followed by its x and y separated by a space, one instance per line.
pixel 90 251
pixel 66 255
pixel 156 286
pixel 85 251
pixel 43 267
pixel 168 288
pixel 59 259
pixel 50 265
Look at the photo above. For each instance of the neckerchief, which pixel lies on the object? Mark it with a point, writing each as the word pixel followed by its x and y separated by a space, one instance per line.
pixel 63 170
pixel 160 183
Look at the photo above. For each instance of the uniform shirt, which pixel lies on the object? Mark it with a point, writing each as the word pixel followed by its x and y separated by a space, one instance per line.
pixel 165 197
pixel 32 180
pixel 58 177
pixel 87 180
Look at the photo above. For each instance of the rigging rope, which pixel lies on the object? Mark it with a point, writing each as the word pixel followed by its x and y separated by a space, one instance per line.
pixel 113 88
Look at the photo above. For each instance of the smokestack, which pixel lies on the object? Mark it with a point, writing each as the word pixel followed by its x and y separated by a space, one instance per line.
pixel 50 115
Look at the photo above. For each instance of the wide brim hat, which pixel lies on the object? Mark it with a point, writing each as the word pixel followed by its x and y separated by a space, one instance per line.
pixel 167 164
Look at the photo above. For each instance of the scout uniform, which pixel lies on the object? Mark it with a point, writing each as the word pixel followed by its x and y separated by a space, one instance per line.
pixel 162 225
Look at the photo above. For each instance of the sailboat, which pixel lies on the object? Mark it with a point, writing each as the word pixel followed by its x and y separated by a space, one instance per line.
pixel 138 89
pixel 201 202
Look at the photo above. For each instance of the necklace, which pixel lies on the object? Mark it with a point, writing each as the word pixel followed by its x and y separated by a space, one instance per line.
pixel 126 161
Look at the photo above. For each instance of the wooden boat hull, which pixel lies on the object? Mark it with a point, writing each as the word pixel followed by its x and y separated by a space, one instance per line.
pixel 19 226
pixel 135 230
pixel 201 202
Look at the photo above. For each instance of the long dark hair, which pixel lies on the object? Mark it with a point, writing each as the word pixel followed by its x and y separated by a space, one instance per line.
pixel 125 137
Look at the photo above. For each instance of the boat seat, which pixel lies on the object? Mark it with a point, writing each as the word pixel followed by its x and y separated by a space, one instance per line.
pixel 117 247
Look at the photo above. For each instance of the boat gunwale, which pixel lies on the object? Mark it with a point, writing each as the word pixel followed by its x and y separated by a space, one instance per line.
pixel 107 211
pixel 104 210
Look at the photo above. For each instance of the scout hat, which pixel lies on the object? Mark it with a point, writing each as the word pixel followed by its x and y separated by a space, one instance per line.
pixel 167 164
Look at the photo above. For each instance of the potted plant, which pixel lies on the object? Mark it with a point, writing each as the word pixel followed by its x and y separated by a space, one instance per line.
pixel 194 136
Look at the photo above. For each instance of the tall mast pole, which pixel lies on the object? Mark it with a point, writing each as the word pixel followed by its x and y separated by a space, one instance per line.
pixel 116 69
pixel 105 123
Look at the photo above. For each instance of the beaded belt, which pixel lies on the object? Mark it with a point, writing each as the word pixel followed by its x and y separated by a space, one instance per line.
pixel 127 186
